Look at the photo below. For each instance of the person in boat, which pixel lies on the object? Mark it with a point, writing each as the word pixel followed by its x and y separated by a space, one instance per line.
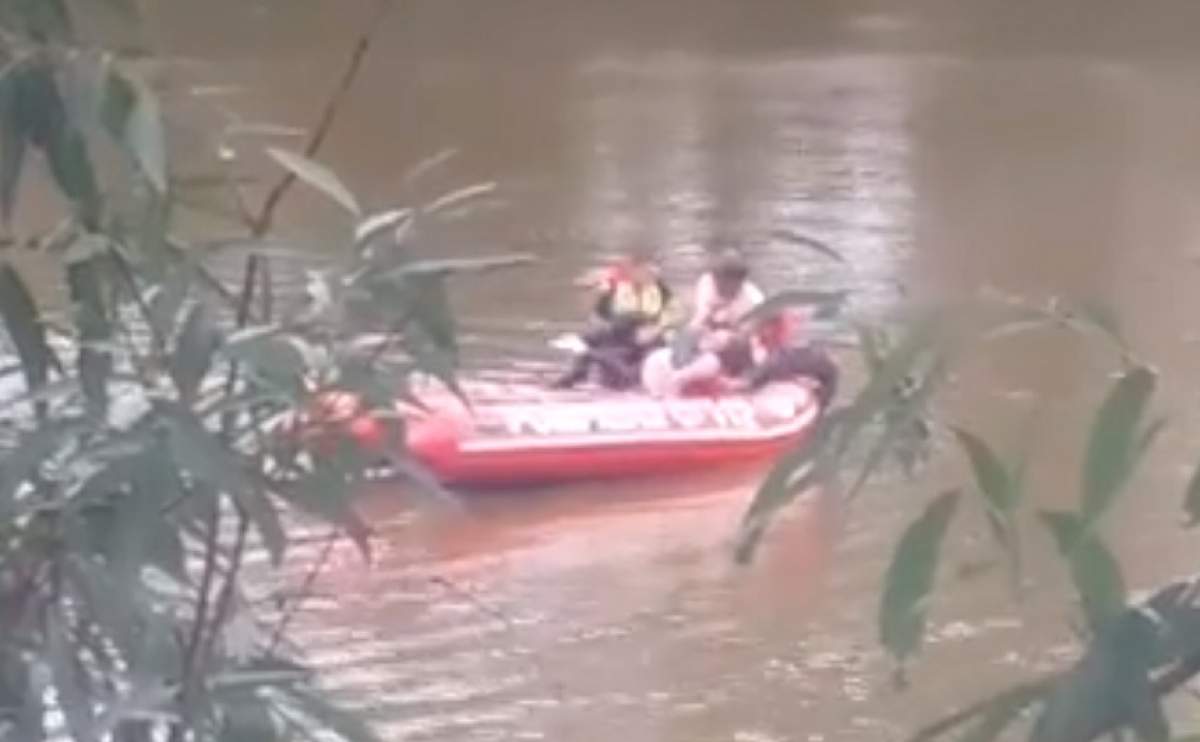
pixel 783 351
pixel 741 360
pixel 724 294
pixel 630 316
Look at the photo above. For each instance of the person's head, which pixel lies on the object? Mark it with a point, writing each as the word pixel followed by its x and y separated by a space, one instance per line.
pixel 729 271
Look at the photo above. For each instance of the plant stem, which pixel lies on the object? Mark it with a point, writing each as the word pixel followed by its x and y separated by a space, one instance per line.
pixel 305 591
pixel 333 106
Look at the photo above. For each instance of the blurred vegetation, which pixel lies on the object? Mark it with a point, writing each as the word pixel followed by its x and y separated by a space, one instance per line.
pixel 142 445
pixel 1133 654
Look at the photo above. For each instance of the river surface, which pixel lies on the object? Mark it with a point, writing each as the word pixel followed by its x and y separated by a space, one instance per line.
pixel 940 151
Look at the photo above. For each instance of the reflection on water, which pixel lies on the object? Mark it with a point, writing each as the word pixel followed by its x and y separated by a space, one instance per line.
pixel 599 612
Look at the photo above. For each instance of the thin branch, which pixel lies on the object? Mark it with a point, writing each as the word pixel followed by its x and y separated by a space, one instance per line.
pixel 188 680
pixel 333 106
pixel 305 591
pixel 225 599
pixel 1039 686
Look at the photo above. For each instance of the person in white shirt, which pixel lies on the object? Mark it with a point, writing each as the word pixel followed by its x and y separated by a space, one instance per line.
pixel 724 294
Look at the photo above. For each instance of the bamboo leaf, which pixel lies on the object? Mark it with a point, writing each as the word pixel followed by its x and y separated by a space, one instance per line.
pixel 92 323
pixel 993 479
pixel 247 719
pixel 796 238
pixel 825 303
pixel 439 267
pixel 13 143
pixel 910 578
pixel 348 726
pixel 270 356
pixel 1191 498
pixel 1004 710
pixel 793 473
pixel 201 454
pixel 318 176
pixel 130 112
pixel 1094 571
pixel 32 449
pixel 20 316
pixel 1112 448
pixel 325 493
pixel 1100 317
pixel 459 197
pixel 198 341
pixel 74 702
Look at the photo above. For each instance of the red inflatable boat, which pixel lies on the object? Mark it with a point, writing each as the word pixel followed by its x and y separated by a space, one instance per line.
pixel 534 436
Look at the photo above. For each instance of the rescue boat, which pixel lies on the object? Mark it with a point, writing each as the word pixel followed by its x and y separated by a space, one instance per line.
pixel 541 437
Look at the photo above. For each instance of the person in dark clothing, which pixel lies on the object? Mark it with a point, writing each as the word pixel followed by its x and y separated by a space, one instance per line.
pixel 629 318
pixel 789 362
pixel 783 354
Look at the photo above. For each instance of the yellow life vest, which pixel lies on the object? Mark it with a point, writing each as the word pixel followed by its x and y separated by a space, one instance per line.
pixel 630 298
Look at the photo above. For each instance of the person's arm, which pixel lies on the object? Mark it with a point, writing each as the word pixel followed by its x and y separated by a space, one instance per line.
pixel 703 302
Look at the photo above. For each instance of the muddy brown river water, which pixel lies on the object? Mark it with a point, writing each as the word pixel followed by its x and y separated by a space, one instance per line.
pixel 940 151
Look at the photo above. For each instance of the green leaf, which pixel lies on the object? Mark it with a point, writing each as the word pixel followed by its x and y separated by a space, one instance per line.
pixel 432 313
pixel 44 20
pixel 1191 498
pixel 899 419
pixel 247 719
pixel 868 344
pixel 879 393
pixel 1112 448
pixel 318 176
pixel 1004 710
pixel 827 303
pixel 131 114
pixel 325 493
pixel 991 477
pixel 74 702
pixel 347 725
pixel 270 356
pixel 1099 316
pixel 48 127
pixel 440 267
pixel 459 197
pixel 1096 574
pixel 91 321
pixel 12 143
pixel 796 238
pixel 1109 688
pixel 910 578
pixel 201 454
pixel 32 449
pixel 373 226
pixel 21 319
pixel 193 356
pixel 794 472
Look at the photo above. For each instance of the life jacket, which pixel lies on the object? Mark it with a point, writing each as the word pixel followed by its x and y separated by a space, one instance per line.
pixel 627 296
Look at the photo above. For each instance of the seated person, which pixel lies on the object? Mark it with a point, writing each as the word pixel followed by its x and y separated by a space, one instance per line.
pixel 724 361
pixel 629 318
pixel 782 354
pixel 701 364
pixel 724 294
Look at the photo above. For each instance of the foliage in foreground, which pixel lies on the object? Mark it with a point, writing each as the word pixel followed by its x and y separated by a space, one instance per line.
pixel 137 463
pixel 1133 654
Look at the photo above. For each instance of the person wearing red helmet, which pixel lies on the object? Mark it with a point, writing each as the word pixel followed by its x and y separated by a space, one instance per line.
pixel 629 317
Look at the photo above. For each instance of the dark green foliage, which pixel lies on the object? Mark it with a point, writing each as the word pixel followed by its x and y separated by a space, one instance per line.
pixel 910 577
